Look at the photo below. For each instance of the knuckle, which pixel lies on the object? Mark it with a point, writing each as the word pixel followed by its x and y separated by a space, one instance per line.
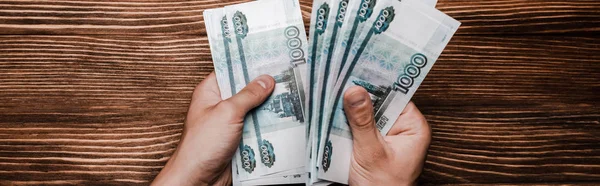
pixel 229 111
pixel 427 130
pixel 226 106
pixel 424 122
pixel 253 92
pixel 362 119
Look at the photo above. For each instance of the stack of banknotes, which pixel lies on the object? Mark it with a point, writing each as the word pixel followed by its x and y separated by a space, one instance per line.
pixel 300 134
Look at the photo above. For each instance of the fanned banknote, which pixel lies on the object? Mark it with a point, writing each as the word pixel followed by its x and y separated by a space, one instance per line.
pixel 321 9
pixel 275 180
pixel 285 177
pixel 336 39
pixel 397 48
pixel 300 134
pixel 333 23
pixel 358 12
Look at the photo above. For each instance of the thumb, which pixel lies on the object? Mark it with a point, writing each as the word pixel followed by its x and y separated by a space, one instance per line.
pixel 359 112
pixel 254 94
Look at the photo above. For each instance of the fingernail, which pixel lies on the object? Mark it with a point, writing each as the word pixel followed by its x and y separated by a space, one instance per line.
pixel 264 81
pixel 357 99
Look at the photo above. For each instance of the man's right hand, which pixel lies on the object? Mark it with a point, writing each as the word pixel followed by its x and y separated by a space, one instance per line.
pixel 396 159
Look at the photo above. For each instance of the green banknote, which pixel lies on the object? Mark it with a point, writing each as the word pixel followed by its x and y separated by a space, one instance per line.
pixel 334 21
pixel 269 38
pixel 218 32
pixel 350 18
pixel 220 44
pixel 397 48
pixel 261 41
pixel 321 9
pixel 337 37
pixel 358 12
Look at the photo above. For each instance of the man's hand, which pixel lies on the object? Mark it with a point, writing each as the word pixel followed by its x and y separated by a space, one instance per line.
pixel 212 133
pixel 396 159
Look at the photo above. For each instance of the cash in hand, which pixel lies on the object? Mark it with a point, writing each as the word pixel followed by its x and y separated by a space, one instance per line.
pixel 300 134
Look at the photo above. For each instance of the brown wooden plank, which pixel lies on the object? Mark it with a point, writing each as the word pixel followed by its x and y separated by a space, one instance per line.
pixel 94 110
pixel 514 109
pixel 185 17
pixel 109 109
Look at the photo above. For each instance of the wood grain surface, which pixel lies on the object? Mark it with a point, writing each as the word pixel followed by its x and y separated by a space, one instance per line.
pixel 95 92
pixel 162 17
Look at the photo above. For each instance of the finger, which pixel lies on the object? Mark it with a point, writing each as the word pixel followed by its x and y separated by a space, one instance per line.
pixel 207 89
pixel 359 112
pixel 411 122
pixel 254 94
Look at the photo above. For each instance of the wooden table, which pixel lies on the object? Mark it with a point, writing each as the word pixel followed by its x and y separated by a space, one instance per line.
pixel 96 92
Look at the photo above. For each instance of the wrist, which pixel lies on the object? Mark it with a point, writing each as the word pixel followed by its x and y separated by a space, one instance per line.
pixel 178 172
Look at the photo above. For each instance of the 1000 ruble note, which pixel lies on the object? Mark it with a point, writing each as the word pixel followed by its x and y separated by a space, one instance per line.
pixel 268 37
pixel 340 48
pixel 333 22
pixel 217 29
pixel 348 19
pixel 318 24
pixel 398 46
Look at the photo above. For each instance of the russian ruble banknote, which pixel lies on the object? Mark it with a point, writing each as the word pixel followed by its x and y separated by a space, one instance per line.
pixel 358 12
pixel 396 48
pixel 341 25
pixel 270 39
pixel 285 177
pixel 218 32
pixel 274 180
pixel 385 46
pixel 332 23
pixel 336 24
pixel 318 25
pixel 255 38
